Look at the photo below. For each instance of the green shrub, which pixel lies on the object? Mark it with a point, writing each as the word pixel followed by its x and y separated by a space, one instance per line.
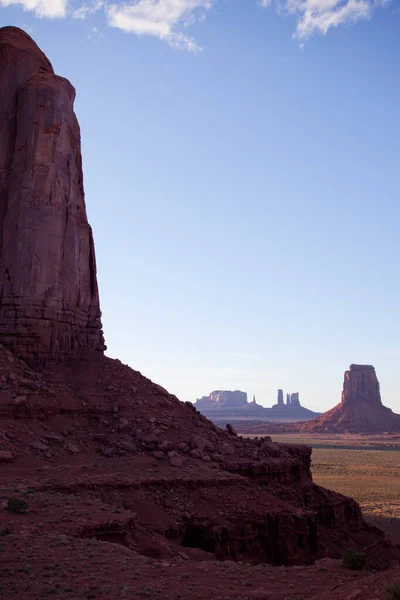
pixel 394 591
pixel 17 505
pixel 5 531
pixel 353 560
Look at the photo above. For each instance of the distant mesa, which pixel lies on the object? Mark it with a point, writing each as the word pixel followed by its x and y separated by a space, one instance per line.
pixel 223 400
pixel 222 405
pixel 360 411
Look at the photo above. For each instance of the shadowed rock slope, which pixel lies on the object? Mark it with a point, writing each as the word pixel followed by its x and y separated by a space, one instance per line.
pixel 118 475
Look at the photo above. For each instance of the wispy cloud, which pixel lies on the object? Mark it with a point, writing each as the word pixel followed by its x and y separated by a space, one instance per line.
pixel 95 35
pixel 168 20
pixel 51 9
pixel 88 9
pixel 161 18
pixel 318 16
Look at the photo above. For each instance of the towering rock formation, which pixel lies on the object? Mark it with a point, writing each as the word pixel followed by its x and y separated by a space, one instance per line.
pixel 280 398
pixel 361 409
pixel 49 301
pixel 295 400
pixel 361 385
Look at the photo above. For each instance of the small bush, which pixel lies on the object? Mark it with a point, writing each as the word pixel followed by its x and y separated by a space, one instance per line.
pixel 17 505
pixel 353 560
pixel 5 531
pixel 394 591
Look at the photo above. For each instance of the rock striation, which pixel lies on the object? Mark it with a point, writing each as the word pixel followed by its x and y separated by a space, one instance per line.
pixel 49 300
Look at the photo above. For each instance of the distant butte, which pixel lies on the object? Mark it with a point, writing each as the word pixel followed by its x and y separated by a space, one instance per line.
pixel 223 406
pixel 361 409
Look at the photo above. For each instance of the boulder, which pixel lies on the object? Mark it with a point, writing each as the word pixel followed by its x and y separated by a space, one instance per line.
pixel 230 429
pixel 177 461
pixel 39 446
pixel 6 456
pixel 72 448
pixel 201 443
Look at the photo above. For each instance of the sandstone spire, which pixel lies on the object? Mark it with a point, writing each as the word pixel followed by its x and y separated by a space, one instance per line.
pixel 49 302
pixel 361 384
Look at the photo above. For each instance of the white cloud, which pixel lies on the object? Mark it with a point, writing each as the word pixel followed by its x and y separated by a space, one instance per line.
pixel 42 8
pixel 317 16
pixel 160 18
pixel 88 9
pixel 168 19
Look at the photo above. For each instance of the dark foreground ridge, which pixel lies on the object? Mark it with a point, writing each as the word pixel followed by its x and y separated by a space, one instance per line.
pixel 115 488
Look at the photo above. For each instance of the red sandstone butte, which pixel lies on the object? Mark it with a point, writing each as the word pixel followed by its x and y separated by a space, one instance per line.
pixel 49 301
pixel 361 409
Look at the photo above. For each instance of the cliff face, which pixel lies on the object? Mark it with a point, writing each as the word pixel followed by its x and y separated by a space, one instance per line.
pixel 361 385
pixel 49 301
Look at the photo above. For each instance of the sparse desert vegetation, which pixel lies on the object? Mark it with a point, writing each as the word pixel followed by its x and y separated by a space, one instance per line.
pixel 394 591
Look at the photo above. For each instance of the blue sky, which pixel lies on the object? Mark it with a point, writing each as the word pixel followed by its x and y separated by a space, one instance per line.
pixel 241 173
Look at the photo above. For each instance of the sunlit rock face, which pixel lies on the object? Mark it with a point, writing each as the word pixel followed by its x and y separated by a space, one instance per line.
pixel 361 384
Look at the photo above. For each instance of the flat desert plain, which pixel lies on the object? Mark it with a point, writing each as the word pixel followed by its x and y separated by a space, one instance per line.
pixel 367 469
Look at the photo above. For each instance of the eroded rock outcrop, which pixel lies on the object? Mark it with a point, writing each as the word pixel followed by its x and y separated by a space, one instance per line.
pixel 49 301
